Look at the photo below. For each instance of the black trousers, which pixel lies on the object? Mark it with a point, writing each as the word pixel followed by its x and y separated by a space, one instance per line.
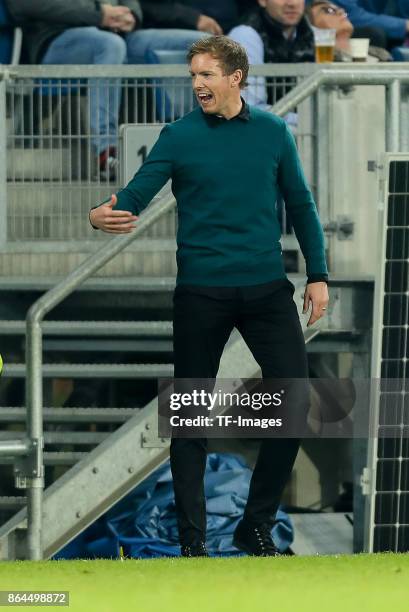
pixel 269 324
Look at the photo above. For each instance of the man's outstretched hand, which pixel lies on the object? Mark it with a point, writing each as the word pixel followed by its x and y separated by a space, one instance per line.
pixel 317 295
pixel 112 221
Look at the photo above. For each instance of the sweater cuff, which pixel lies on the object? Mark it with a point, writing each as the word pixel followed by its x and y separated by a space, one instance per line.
pixel 317 278
pixel 89 218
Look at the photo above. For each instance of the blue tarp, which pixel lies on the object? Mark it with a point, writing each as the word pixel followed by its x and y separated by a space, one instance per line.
pixel 144 522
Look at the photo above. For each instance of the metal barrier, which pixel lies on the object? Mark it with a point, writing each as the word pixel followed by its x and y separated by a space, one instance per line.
pixel 49 173
pixel 390 77
pixel 60 117
pixel 32 449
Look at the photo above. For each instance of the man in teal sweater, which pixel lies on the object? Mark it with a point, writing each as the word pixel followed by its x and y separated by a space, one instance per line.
pixel 227 162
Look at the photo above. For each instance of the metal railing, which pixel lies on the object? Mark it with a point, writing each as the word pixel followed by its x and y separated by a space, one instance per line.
pixel 59 118
pixel 49 174
pixel 32 448
pixel 390 77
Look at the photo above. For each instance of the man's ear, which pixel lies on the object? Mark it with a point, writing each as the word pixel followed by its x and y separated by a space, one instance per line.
pixel 237 78
pixel 262 3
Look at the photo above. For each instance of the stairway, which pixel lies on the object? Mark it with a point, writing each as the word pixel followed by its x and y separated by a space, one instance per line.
pixel 69 344
pixel 112 461
pixel 49 236
pixel 51 186
pixel 55 238
pixel 71 432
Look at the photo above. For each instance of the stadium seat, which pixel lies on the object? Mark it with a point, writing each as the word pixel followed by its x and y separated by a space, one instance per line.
pixel 400 54
pixel 10 38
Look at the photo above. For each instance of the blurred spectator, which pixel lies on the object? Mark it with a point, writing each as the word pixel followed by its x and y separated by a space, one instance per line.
pixel 275 31
pixel 89 32
pixel 214 16
pixel 324 14
pixel 389 16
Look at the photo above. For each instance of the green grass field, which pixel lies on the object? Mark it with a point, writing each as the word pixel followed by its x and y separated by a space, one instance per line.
pixel 347 583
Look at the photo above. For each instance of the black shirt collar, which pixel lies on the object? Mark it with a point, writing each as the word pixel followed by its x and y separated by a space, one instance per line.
pixel 244 114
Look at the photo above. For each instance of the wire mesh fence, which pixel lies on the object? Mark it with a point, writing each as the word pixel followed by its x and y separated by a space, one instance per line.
pixel 63 137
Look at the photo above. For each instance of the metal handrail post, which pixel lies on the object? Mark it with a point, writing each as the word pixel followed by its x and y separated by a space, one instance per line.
pixel 404 119
pixel 34 403
pixel 3 164
pixel 34 398
pixel 392 108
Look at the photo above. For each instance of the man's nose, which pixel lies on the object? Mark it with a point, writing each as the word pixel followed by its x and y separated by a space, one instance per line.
pixel 197 82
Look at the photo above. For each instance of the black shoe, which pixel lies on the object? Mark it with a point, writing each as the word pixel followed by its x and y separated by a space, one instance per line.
pixel 255 540
pixel 196 549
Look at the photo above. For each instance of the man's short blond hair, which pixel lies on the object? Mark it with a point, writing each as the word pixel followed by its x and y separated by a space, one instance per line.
pixel 231 55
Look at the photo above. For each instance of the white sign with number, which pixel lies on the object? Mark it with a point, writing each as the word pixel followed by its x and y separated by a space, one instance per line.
pixel 137 139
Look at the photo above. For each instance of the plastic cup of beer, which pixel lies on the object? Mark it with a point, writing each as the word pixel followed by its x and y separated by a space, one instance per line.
pixel 324 40
pixel 359 48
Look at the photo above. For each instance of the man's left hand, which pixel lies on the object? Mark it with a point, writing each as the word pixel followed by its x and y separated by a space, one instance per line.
pixel 317 294
pixel 127 23
pixel 208 24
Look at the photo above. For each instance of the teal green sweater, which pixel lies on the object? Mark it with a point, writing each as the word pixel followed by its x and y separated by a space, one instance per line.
pixel 225 177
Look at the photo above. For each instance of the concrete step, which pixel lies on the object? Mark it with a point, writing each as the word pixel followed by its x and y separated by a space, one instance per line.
pixel 323 533
pixel 58 211
pixel 139 284
pixel 143 245
pixel 38 164
pixel 94 370
pixel 148 257
pixel 128 329
pixel 66 414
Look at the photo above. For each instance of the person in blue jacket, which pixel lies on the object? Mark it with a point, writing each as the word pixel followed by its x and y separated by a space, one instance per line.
pixel 391 16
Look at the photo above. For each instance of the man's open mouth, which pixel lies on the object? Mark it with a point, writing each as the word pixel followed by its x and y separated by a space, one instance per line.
pixel 205 97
